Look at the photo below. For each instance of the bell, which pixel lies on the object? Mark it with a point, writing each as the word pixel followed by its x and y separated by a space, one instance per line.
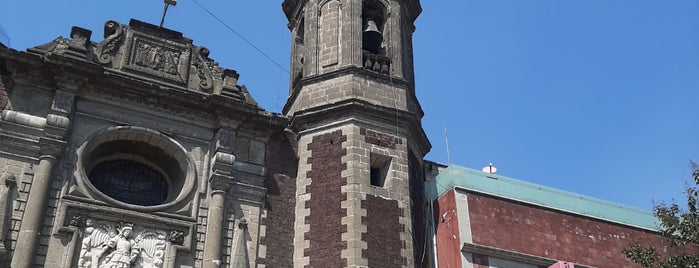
pixel 372 37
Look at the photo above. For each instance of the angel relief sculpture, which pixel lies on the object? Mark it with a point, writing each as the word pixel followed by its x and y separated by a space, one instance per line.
pixel 108 245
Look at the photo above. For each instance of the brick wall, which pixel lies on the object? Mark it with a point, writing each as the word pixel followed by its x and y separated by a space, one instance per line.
pixel 279 205
pixel 380 139
pixel 543 232
pixel 383 232
pixel 326 228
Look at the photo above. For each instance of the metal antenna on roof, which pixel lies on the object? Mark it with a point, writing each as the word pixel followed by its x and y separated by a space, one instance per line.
pixel 446 139
pixel 167 4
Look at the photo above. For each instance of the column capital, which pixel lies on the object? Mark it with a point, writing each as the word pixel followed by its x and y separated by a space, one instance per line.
pixel 220 183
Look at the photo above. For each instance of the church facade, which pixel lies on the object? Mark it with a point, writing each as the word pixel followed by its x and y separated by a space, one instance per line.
pixel 141 151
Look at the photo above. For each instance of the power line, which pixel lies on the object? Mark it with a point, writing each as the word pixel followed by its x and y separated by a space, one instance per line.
pixel 241 37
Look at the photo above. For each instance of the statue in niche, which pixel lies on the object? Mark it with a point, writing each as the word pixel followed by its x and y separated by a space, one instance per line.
pixel 108 245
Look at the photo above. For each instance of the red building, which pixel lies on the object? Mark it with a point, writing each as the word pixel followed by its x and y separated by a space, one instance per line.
pixel 487 220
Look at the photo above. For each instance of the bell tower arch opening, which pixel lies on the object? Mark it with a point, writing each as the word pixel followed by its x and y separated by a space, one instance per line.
pixel 373 21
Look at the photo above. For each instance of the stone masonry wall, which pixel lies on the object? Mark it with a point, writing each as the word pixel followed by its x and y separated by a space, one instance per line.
pixel 329 35
pixel 389 233
pixel 349 86
pixel 23 173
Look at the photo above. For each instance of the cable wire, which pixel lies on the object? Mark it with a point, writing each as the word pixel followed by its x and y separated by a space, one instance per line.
pixel 241 37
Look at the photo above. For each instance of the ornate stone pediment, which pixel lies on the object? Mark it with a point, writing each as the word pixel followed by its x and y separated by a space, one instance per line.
pixel 146 51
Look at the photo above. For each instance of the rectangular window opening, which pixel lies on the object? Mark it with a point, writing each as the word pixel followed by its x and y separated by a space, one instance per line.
pixel 378 170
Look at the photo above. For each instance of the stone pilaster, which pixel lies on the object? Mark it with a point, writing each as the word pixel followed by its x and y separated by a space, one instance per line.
pixel 29 233
pixel 214 227
pixel 51 146
pixel 10 184
pixel 220 183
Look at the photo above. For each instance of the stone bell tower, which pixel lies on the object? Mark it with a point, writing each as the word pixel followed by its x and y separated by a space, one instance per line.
pixel 360 194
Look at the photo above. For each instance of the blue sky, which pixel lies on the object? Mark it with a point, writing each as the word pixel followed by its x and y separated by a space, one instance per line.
pixel 596 97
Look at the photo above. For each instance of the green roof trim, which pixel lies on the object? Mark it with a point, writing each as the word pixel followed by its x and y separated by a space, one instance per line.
pixel 530 193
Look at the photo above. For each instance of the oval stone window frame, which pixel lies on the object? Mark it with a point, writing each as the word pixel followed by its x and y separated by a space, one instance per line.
pixel 142 145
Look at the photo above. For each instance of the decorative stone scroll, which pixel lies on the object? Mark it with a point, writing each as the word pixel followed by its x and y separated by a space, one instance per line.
pixel 203 78
pixel 121 245
pixel 113 38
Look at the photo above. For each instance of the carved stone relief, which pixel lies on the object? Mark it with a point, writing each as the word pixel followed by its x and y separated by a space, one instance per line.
pixel 156 58
pixel 147 55
pixel 121 245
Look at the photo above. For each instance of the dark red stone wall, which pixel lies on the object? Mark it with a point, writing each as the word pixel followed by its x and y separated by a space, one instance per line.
pixel 380 139
pixel 543 232
pixel 280 203
pixel 325 217
pixel 383 232
pixel 447 225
